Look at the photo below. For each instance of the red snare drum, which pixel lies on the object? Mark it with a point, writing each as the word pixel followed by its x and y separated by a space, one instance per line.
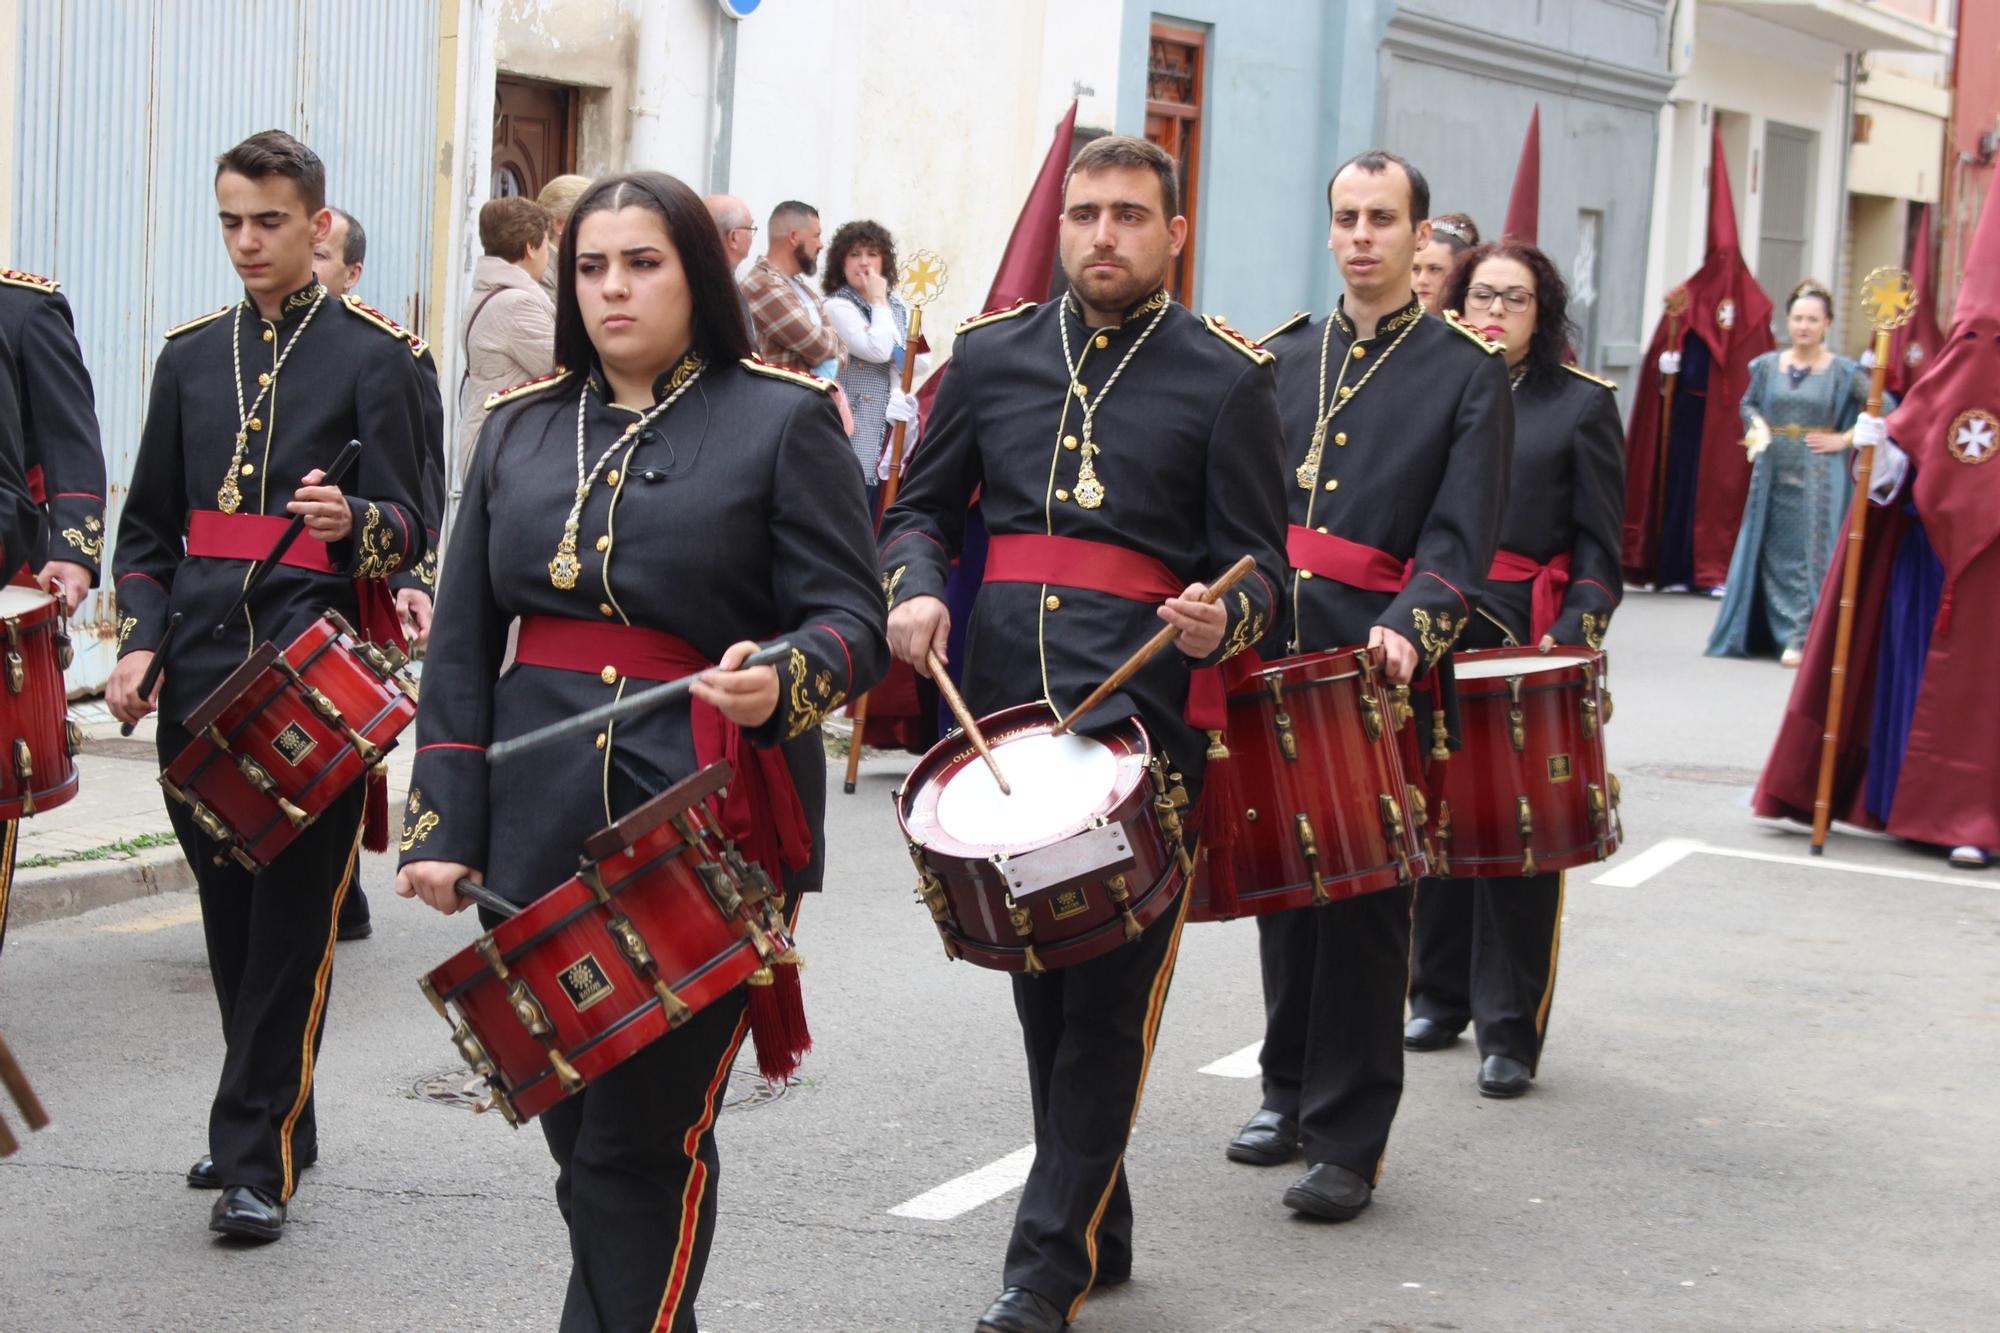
pixel 1529 792
pixel 285 735
pixel 1081 858
pixel 38 770
pixel 1316 783
pixel 663 919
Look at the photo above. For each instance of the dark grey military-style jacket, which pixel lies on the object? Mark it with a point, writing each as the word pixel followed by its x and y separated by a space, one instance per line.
pixel 64 456
pixel 1567 497
pixel 352 375
pixel 20 518
pixel 1416 465
pixel 738 513
pixel 1189 457
pixel 422 575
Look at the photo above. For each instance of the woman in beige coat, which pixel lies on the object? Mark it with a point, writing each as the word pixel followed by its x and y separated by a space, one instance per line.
pixel 510 323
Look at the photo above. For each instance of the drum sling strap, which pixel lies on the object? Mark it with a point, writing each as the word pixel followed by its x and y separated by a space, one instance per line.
pixel 760 809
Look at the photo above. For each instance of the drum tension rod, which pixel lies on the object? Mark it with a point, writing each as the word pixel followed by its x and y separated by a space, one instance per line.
pixel 1282 720
pixel 24 773
pixel 1524 816
pixel 1393 831
pixel 532 1016
pixel 1517 731
pixel 1309 848
pixel 1443 839
pixel 259 777
pixel 1114 889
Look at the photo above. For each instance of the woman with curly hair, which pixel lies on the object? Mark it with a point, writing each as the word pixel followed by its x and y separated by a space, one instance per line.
pixel 1484 950
pixel 875 325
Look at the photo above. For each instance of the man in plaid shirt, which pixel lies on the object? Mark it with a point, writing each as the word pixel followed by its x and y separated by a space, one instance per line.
pixel 789 325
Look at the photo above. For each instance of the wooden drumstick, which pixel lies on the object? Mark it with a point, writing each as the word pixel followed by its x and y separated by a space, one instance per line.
pixel 965 719
pixel 17 1087
pixel 1153 646
pixel 478 893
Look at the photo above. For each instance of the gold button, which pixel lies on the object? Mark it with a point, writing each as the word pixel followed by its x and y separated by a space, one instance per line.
pixel 255 424
pixel 1346 391
pixel 1340 437
pixel 270 335
pixel 262 378
pixel 611 477
pixel 1102 341
pixel 604 543
pixel 1322 527
pixel 1333 483
pixel 248 469
pixel 1061 494
pixel 1069 441
pixel 632 429
pixel 604 608
pixel 1083 391
pixel 609 675
pixel 1305 573
pixel 1053 603
pixel 1359 351
pixel 602 740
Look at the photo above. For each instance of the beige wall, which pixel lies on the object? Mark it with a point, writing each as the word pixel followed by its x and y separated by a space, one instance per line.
pixel 589 43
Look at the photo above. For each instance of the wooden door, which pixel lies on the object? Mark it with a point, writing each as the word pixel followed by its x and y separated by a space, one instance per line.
pixel 534 135
pixel 1174 77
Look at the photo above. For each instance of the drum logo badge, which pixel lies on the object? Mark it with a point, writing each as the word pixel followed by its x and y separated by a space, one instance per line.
pixel 1066 903
pixel 294 744
pixel 585 983
pixel 1559 768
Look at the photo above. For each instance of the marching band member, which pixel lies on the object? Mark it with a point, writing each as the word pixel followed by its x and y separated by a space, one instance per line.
pixel 1400 435
pixel 1485 949
pixel 62 458
pixel 248 405
pixel 1122 450
pixel 661 506
pixel 20 516
pixel 1452 234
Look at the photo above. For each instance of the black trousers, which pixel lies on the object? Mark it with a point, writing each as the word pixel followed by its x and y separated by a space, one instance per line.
pixel 10 831
pixel 1485 954
pixel 1334 982
pixel 1089 1032
pixel 270 953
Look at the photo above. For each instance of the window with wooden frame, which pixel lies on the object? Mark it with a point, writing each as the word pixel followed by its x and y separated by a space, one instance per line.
pixel 1175 68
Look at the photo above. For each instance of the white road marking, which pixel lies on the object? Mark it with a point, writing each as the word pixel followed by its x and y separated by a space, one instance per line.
pixel 179 915
pixel 957 1197
pixel 1669 852
pixel 1240 1064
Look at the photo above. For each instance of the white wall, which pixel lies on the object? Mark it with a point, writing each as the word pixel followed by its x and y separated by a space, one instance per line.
pixel 10 30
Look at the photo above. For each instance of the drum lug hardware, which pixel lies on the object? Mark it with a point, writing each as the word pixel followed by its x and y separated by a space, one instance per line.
pixel 1400 705
pixel 1282 720
pixel 1034 964
pixel 593 879
pixel 1590 719
pixel 1250 815
pixel 1098 822
pixel 73 734
pixel 1420 809
pixel 572 1082
pixel 487 949
pixel 472 1052
pixel 529 1010
pixel 1393 830
pixel 721 887
pixel 206 821
pixel 65 650
pixel 1024 924
pixel 1114 889
pixel 1595 795
pixel 17 670
pixel 1309 849
pixel 437 1001
pixel 1616 791
pixel 172 790
pixel 1524 816
pixel 1371 715
pixel 216 738
pixel 1517 730
pixel 1443 839
pixel 244 859
pixel 1440 737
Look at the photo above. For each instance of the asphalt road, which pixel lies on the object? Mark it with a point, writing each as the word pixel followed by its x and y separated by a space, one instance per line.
pixel 1770 1100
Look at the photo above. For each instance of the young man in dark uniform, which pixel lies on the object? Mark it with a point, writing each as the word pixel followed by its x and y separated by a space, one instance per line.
pixel 1399 431
pixel 62 458
pixel 249 405
pixel 1103 432
pixel 20 516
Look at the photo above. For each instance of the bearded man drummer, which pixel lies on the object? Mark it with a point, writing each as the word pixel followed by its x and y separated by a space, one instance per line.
pixel 1115 442
pixel 249 404
pixel 1400 434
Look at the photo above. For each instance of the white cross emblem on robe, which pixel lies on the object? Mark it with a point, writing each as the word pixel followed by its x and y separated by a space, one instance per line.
pixel 1975 436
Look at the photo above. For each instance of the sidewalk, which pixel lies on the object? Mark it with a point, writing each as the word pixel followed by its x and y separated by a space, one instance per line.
pixel 112 841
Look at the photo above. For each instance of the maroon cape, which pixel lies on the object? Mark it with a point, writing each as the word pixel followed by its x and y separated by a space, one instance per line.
pixel 1913 346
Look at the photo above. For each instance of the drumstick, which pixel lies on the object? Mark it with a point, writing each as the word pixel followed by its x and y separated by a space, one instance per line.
pixel 345 460
pixel 484 897
pixel 965 718
pixel 149 681
pixel 657 697
pixel 17 1086
pixel 1166 636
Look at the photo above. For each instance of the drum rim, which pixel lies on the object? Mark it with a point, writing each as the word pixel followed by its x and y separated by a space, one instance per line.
pixel 40 602
pixel 1563 657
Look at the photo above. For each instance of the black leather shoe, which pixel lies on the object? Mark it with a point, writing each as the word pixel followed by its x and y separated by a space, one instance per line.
pixel 202 1175
pixel 1503 1076
pixel 1330 1192
pixel 246 1213
pixel 355 923
pixel 1427 1034
pixel 1266 1139
pixel 1018 1310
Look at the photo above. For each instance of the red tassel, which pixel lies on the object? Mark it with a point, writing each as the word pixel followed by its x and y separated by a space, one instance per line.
pixel 375 817
pixel 1218 837
pixel 778 1019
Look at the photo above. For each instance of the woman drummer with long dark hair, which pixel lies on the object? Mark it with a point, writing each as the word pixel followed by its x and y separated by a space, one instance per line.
pixel 659 506
pixel 1484 950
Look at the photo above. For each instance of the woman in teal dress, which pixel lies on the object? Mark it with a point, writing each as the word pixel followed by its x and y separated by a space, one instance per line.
pixel 1803 401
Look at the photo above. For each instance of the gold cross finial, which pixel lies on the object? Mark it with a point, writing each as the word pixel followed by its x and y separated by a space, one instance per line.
pixel 922 278
pixel 1888 298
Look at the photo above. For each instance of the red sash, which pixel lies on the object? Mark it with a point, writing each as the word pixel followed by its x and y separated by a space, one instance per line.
pixel 1358 566
pixel 760 808
pixel 38 484
pixel 1117 571
pixel 1545 599
pixel 215 535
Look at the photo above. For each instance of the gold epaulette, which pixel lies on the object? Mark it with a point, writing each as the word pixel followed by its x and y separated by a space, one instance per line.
pixel 759 366
pixel 1487 345
pixel 1286 327
pixel 997 314
pixel 534 386
pixel 384 323
pixel 1220 327
pixel 13 277
pixel 1594 379
pixel 196 322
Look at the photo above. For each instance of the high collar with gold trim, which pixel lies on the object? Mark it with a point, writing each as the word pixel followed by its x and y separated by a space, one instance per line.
pixel 663 384
pixel 293 307
pixel 1134 315
pixel 1390 324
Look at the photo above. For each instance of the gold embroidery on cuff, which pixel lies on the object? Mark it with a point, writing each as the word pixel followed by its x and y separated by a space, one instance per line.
pixel 1436 643
pixel 1249 628
pixel 90 546
pixel 1593 630
pixel 890 582
pixel 125 628
pixel 378 558
pixel 803 712
pixel 421 822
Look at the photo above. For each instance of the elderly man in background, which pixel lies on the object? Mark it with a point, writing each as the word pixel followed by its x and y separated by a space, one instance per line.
pixel 510 324
pixel 732 220
pixel 559 197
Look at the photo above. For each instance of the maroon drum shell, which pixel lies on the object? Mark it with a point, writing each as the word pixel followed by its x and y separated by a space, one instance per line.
pixel 256 706
pixel 1342 769
pixel 38 766
pixel 1070 921
pixel 602 1008
pixel 1558 769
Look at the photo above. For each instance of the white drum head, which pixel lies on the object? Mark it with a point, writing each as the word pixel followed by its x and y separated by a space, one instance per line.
pixel 16 600
pixel 1058 782
pixel 1492 668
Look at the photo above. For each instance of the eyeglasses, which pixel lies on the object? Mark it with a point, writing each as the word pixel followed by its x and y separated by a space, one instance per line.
pixel 1516 299
pixel 752 229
